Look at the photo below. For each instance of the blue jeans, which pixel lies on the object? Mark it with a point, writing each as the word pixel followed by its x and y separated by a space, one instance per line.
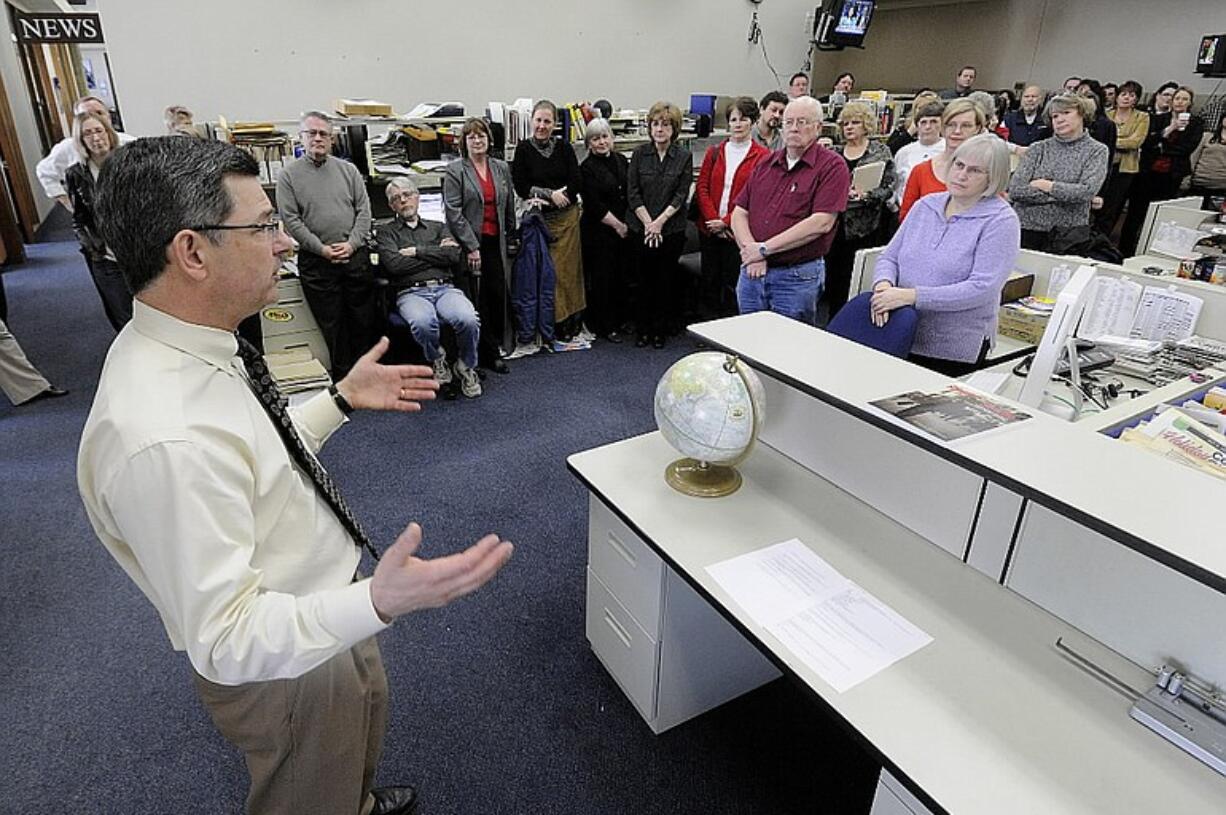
pixel 792 291
pixel 422 308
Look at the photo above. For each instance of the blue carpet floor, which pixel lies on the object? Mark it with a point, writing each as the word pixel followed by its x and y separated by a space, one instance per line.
pixel 498 704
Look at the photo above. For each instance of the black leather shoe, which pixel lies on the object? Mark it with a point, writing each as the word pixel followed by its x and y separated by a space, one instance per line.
pixel 50 392
pixel 658 342
pixel 642 341
pixel 614 337
pixel 500 367
pixel 394 801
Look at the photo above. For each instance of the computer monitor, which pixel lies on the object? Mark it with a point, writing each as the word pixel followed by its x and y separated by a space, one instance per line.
pixel 843 23
pixel 1070 304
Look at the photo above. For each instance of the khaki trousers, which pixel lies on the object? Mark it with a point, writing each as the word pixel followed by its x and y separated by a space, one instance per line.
pixel 312 743
pixel 19 380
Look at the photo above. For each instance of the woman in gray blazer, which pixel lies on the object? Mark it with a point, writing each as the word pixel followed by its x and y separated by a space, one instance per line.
pixel 479 200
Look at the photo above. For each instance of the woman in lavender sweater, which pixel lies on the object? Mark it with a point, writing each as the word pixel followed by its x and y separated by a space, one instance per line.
pixel 950 258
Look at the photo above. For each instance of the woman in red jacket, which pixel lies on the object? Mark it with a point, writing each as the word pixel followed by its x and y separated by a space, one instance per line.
pixel 725 169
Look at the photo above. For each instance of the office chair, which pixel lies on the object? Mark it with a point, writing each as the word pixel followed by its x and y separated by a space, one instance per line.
pixel 854 322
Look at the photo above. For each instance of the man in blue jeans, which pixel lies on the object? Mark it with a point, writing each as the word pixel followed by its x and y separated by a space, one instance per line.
pixel 419 258
pixel 784 218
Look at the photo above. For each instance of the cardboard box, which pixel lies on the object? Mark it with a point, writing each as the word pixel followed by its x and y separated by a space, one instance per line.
pixel 362 107
pixel 1022 323
pixel 1016 287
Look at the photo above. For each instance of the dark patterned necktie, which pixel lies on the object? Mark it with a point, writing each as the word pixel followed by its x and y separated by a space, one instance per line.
pixel 274 405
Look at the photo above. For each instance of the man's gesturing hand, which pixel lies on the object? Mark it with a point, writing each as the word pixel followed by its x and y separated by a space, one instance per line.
pixel 404 583
pixel 375 386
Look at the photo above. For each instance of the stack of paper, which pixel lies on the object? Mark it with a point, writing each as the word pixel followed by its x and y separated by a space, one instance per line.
pixel 296 371
pixel 1175 435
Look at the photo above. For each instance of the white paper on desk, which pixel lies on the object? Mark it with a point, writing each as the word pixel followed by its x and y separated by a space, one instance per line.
pixel 1113 308
pixel 778 582
pixel 1175 241
pixel 838 630
pixel 850 637
pixel 1165 314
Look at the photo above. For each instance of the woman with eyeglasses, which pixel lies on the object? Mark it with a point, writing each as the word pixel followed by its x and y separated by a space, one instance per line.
pixel 95 140
pixel 479 203
pixel 961 120
pixel 1059 176
pixel 950 259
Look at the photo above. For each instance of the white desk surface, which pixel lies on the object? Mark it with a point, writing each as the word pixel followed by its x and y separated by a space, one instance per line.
pixel 988 718
pixel 1159 508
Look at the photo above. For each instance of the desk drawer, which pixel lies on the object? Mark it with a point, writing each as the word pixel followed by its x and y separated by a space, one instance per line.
pixel 312 341
pixel 623 646
pixel 626 565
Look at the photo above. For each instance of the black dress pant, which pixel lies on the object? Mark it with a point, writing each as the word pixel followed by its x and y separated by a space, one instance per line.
pixel 491 301
pixel 342 299
pixel 721 268
pixel 1118 187
pixel 658 304
pixel 112 289
pixel 606 269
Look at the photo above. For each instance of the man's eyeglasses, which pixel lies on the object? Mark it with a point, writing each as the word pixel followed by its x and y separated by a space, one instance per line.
pixel 269 229
pixel 310 134
pixel 797 123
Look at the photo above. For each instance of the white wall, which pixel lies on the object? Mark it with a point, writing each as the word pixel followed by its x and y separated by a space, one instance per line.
pixel 23 112
pixel 260 60
pixel 1042 41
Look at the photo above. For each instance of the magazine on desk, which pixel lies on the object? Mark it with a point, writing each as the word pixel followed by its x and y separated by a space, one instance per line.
pixel 950 414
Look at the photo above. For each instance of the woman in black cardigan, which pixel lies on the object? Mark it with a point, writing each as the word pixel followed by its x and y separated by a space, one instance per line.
pixel 95 140
pixel 605 259
pixel 658 185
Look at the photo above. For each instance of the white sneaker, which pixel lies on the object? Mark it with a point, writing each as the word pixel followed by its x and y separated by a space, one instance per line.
pixel 442 371
pixel 524 349
pixel 585 334
pixel 470 383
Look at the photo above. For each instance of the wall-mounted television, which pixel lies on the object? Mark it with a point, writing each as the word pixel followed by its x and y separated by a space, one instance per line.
pixel 843 23
pixel 1211 56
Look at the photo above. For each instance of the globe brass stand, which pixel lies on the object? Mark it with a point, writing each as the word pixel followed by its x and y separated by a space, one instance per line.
pixel 703 479
pixel 700 479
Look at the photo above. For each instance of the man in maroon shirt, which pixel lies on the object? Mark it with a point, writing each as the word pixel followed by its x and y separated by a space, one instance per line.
pixel 785 216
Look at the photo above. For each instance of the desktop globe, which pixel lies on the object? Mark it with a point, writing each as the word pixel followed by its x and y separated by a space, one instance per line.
pixel 709 407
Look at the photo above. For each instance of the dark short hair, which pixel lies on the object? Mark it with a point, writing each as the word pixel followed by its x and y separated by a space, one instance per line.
pixel 798 73
pixel 969 68
pixel 473 125
pixel 773 96
pixel 1168 85
pixel 1112 86
pixel 746 105
pixel 1067 79
pixel 150 190
pixel 545 103
pixel 847 74
pixel 930 110
pixel 1131 85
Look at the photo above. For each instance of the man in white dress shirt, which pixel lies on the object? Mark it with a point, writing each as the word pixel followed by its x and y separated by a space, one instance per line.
pixel 196 493
pixel 51 169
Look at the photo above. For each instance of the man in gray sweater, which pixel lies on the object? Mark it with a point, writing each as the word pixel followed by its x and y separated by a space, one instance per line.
pixel 324 206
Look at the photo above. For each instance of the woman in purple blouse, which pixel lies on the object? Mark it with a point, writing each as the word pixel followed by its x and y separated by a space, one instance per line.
pixel 950 259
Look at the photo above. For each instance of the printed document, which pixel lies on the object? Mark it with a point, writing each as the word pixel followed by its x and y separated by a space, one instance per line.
pixel 841 632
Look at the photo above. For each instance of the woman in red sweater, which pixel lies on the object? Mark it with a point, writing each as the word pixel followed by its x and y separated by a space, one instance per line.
pixel 961 120
pixel 725 169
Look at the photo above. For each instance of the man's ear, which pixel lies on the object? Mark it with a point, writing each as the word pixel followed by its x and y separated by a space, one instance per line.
pixel 189 250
